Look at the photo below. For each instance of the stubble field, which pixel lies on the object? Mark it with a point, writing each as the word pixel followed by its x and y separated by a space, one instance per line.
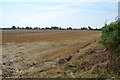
pixel 41 53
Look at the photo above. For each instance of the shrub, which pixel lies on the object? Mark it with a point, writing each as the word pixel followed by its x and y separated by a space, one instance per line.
pixel 111 36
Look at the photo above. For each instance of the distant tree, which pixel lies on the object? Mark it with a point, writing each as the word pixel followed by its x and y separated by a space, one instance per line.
pixel 23 28
pixel 18 27
pixel 84 28
pixel 54 28
pixel 30 27
pixel 96 29
pixel 36 28
pixel 90 28
pixel 47 28
pixel 60 28
pixel 69 28
pixel 27 27
pixel 42 28
pixel 13 27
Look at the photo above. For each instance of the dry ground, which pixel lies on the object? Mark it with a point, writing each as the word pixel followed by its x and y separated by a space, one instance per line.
pixel 52 53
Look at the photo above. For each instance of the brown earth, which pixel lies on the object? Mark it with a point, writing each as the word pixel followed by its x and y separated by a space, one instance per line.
pixel 51 53
pixel 44 35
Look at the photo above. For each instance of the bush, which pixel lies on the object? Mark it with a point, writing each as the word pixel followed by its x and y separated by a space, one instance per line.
pixel 111 36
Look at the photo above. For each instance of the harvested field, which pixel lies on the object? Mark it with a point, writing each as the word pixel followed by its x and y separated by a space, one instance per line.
pixel 27 52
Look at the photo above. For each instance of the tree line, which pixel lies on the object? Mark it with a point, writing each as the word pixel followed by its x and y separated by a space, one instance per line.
pixel 49 28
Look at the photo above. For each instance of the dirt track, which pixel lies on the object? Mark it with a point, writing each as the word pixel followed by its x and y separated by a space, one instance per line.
pixel 29 50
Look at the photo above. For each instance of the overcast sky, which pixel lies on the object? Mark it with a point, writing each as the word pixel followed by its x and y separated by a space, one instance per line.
pixel 63 13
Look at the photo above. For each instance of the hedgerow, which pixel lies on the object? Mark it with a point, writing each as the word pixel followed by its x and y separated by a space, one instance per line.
pixel 111 36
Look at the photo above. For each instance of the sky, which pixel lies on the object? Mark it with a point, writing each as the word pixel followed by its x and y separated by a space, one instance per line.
pixel 61 13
